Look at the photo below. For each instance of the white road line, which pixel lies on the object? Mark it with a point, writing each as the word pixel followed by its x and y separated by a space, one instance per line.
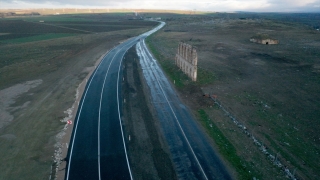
pixel 176 118
pixel 75 131
pixel 85 95
pixel 102 90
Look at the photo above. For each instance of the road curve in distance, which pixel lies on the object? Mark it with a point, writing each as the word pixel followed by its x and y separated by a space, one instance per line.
pixel 97 148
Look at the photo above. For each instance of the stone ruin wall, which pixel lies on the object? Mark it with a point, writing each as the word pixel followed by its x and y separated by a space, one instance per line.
pixel 187 59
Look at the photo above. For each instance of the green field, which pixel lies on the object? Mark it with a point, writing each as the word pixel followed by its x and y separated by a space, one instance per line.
pixel 37 28
pixel 226 148
pixel 37 38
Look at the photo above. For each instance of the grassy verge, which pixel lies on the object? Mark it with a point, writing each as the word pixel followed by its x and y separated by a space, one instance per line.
pixel 284 137
pixel 226 149
pixel 174 73
pixel 170 69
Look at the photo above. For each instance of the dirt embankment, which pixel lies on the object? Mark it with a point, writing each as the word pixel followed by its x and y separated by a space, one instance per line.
pixel 63 137
pixel 148 154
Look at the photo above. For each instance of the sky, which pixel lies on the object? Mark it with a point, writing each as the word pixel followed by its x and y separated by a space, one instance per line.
pixel 198 5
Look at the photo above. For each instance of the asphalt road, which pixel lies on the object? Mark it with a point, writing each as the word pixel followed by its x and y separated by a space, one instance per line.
pixel 191 152
pixel 97 148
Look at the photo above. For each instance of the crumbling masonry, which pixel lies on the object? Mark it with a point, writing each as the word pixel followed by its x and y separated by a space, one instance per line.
pixel 187 60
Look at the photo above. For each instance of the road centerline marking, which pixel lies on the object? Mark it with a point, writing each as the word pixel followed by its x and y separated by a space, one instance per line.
pixel 102 90
pixel 77 122
pixel 130 44
pixel 124 144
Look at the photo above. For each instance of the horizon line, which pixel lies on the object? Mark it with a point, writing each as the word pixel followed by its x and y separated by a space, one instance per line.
pixel 161 10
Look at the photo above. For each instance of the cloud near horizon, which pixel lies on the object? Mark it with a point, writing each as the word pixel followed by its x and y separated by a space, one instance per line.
pixel 201 5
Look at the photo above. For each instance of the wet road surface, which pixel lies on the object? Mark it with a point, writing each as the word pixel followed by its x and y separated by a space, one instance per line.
pixel 191 152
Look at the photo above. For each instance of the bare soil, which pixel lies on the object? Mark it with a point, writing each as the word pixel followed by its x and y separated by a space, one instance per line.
pixel 148 153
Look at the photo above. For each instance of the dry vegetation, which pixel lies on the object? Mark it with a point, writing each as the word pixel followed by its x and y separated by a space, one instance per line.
pixel 271 89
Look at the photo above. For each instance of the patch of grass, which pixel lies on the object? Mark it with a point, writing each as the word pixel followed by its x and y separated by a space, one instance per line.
pixel 285 140
pixel 175 74
pixel 101 28
pixel 169 68
pixel 25 27
pixel 205 77
pixel 266 115
pixel 226 149
pixel 37 38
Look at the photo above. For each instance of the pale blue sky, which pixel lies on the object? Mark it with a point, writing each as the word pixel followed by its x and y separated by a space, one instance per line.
pixel 199 5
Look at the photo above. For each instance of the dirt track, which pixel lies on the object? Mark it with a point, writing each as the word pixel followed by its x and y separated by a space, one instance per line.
pixel 148 153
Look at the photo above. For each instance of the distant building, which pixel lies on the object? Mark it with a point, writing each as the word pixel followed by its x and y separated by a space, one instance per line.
pixel 153 19
pixel 34 14
pixel 132 16
pixel 263 39
pixel 11 14
pixel 7 14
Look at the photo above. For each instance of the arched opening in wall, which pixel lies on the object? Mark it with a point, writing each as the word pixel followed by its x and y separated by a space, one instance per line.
pixel 184 65
pixel 267 43
pixel 190 73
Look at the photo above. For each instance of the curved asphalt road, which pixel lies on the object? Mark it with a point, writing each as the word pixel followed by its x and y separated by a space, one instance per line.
pixel 191 152
pixel 97 148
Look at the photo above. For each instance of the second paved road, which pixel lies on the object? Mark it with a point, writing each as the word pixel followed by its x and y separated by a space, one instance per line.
pixel 97 147
pixel 190 149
